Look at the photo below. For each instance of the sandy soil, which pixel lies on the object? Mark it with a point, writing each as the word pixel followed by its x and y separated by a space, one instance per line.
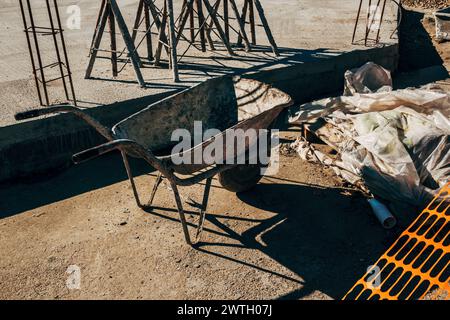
pixel 426 4
pixel 442 48
pixel 298 235
pixel 417 40
pixel 302 234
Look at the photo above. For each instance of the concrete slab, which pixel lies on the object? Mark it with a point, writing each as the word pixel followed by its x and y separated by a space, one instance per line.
pixel 304 29
pixel 316 51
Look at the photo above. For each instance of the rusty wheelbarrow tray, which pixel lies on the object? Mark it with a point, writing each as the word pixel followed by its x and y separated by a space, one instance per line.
pixel 225 103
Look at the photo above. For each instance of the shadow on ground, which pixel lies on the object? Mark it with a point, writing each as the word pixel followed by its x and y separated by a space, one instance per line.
pixel 420 63
pixel 325 237
pixel 260 58
pixel 36 192
pixel 322 235
pixel 416 47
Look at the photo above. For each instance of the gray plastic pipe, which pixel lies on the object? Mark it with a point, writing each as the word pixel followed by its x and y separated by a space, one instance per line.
pixel 387 220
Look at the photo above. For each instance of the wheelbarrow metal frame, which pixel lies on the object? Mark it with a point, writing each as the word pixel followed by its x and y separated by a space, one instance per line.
pixel 161 164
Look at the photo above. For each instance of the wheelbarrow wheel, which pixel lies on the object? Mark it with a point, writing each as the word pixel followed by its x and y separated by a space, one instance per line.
pixel 244 177
pixel 241 178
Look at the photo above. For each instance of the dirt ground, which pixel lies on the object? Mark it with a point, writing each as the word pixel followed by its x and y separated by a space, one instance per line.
pixel 417 40
pixel 426 4
pixel 298 235
pixel 442 48
pixel 302 234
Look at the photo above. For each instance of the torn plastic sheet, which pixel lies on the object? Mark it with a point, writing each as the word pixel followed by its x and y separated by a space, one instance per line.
pixel 423 101
pixel 396 144
pixel 367 79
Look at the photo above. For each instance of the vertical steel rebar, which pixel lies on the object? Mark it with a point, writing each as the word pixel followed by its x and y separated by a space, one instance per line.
pixel 214 18
pixel 137 21
pixel 241 25
pixel 192 23
pixel 38 52
pixel 162 38
pixel 226 19
pixel 266 27
pixel 183 18
pixel 367 22
pixel 381 21
pixel 357 21
pixel 53 31
pixel 113 45
pixel 97 40
pixel 66 58
pixel 201 24
pixel 55 41
pixel 30 49
pixel 373 20
pixel 134 57
pixel 252 21
pixel 102 6
pixel 244 18
pixel 148 33
pixel 173 41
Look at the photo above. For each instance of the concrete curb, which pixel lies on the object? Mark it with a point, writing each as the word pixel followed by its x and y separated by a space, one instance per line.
pixel 39 146
pixel 325 75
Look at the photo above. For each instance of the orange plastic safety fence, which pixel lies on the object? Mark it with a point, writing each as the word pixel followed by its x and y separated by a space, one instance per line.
pixel 417 263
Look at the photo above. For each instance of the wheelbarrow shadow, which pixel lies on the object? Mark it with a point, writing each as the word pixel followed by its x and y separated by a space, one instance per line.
pixel 325 237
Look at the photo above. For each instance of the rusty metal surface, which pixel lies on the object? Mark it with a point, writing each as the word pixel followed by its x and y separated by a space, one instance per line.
pixel 212 102
pixel 216 103
pixel 34 35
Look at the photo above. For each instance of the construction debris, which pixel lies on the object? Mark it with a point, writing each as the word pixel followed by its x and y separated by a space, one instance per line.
pixel 426 4
pixel 383 214
pixel 393 144
pixel 442 18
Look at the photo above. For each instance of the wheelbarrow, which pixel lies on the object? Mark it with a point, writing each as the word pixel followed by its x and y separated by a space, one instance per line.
pixel 225 103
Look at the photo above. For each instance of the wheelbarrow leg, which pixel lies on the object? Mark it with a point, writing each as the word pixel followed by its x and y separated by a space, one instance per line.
pixel 181 213
pixel 202 217
pixel 155 188
pixel 130 176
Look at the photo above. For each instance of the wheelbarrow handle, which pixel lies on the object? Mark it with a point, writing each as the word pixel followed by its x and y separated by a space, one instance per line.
pixel 104 131
pixel 125 146
pixel 95 152
pixel 29 114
